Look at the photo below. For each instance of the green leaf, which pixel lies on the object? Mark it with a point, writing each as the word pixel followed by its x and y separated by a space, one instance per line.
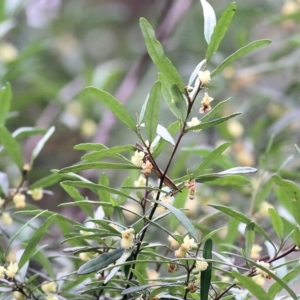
pixel 293 190
pixel 209 20
pixel 296 236
pixel 152 111
pixel 41 143
pixel 164 134
pixel 206 275
pixel 194 74
pixel 99 165
pixel 255 289
pixel 34 240
pixel 238 170
pixel 104 194
pixel 116 107
pixel 5 99
pixel 180 103
pixel 215 179
pixel 100 262
pixel 214 110
pixel 12 147
pixel 46 181
pixel 99 154
pixel 121 198
pixel 210 159
pixel 156 53
pixel 206 125
pixel 249 238
pixel 242 218
pixel 220 30
pixel 179 202
pixel 74 193
pixel 239 53
pixel 182 218
pixel 276 222
pixel 44 261
pixel 90 147
pixel 135 289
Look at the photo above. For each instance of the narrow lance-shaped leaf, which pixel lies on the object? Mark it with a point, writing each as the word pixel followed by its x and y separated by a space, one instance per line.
pixel 156 53
pixel 41 143
pixel 296 236
pixel 210 159
pixel 214 110
pixel 239 53
pixel 182 218
pixel 116 107
pixel 164 134
pixel 249 238
pixel 206 275
pixel 100 262
pixel 33 241
pixel 121 198
pixel 180 103
pixel 276 222
pixel 209 20
pixel 11 146
pixel 220 30
pixel 229 180
pixel 5 99
pixel 194 74
pixel 152 111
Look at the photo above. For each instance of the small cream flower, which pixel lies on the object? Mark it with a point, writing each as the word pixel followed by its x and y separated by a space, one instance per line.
pixel 201 265
pixel 140 182
pixel 51 298
pixel 19 296
pixel 127 240
pixel 137 159
pixel 255 252
pixel 152 275
pixel 194 122
pixel 6 219
pixel 204 77
pixel 172 241
pixel 180 253
pixel 264 209
pixel 2 271
pixel 263 273
pixel 85 256
pixel 12 270
pixel 19 200
pixel 36 194
pixel 49 287
pixel 188 243
pixel 8 52
pixel 205 103
pixel 259 279
pixel 147 167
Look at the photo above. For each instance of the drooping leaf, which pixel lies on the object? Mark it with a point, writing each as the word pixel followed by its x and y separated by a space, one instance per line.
pixel 210 159
pixel 239 53
pixel 249 238
pixel 34 240
pixel 104 195
pixel 207 274
pixel 12 147
pixel 216 179
pixel 164 133
pixel 293 190
pixel 206 125
pixel 156 53
pixel 180 103
pixel 116 107
pixel 220 30
pixel 100 262
pixel 5 99
pixel 98 165
pixel 238 170
pixel 209 20
pixel 242 218
pixel 255 289
pixel 276 222
pixel 182 218
pixel 152 111
pixel 40 145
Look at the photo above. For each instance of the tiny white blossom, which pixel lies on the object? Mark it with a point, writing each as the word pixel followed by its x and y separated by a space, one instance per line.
pixel 137 159
pixel 12 270
pixel 194 122
pixel 204 77
pixel 201 265
pixel 140 182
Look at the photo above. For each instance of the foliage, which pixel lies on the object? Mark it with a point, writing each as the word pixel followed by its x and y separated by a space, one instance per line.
pixel 154 236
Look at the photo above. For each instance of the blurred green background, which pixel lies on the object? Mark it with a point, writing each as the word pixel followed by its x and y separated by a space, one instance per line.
pixel 51 50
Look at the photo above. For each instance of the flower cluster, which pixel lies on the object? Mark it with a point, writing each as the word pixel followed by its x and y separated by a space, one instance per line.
pixel 185 247
pixel 19 200
pixel 49 287
pixel 6 219
pixel 201 265
pixel 140 182
pixel 204 77
pixel 36 194
pixel 191 186
pixel 9 272
pixel 127 240
pixel 262 272
pixel 137 159
pixel 255 252
pixel 147 167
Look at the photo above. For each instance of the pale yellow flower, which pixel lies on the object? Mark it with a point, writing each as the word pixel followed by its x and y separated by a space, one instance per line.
pixel 51 298
pixel 2 271
pixel 259 279
pixel 137 159
pixel 19 296
pixel 188 243
pixel 152 276
pixel 264 209
pixel 194 122
pixel 262 272
pixel 85 256
pixel 140 182
pixel 12 270
pixel 172 241
pixel 205 103
pixel 6 219
pixel 255 252
pixel 49 287
pixel 8 52
pixel 36 194
pixel 201 265
pixel 127 240
pixel 204 77
pixel 147 167
pixel 19 200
